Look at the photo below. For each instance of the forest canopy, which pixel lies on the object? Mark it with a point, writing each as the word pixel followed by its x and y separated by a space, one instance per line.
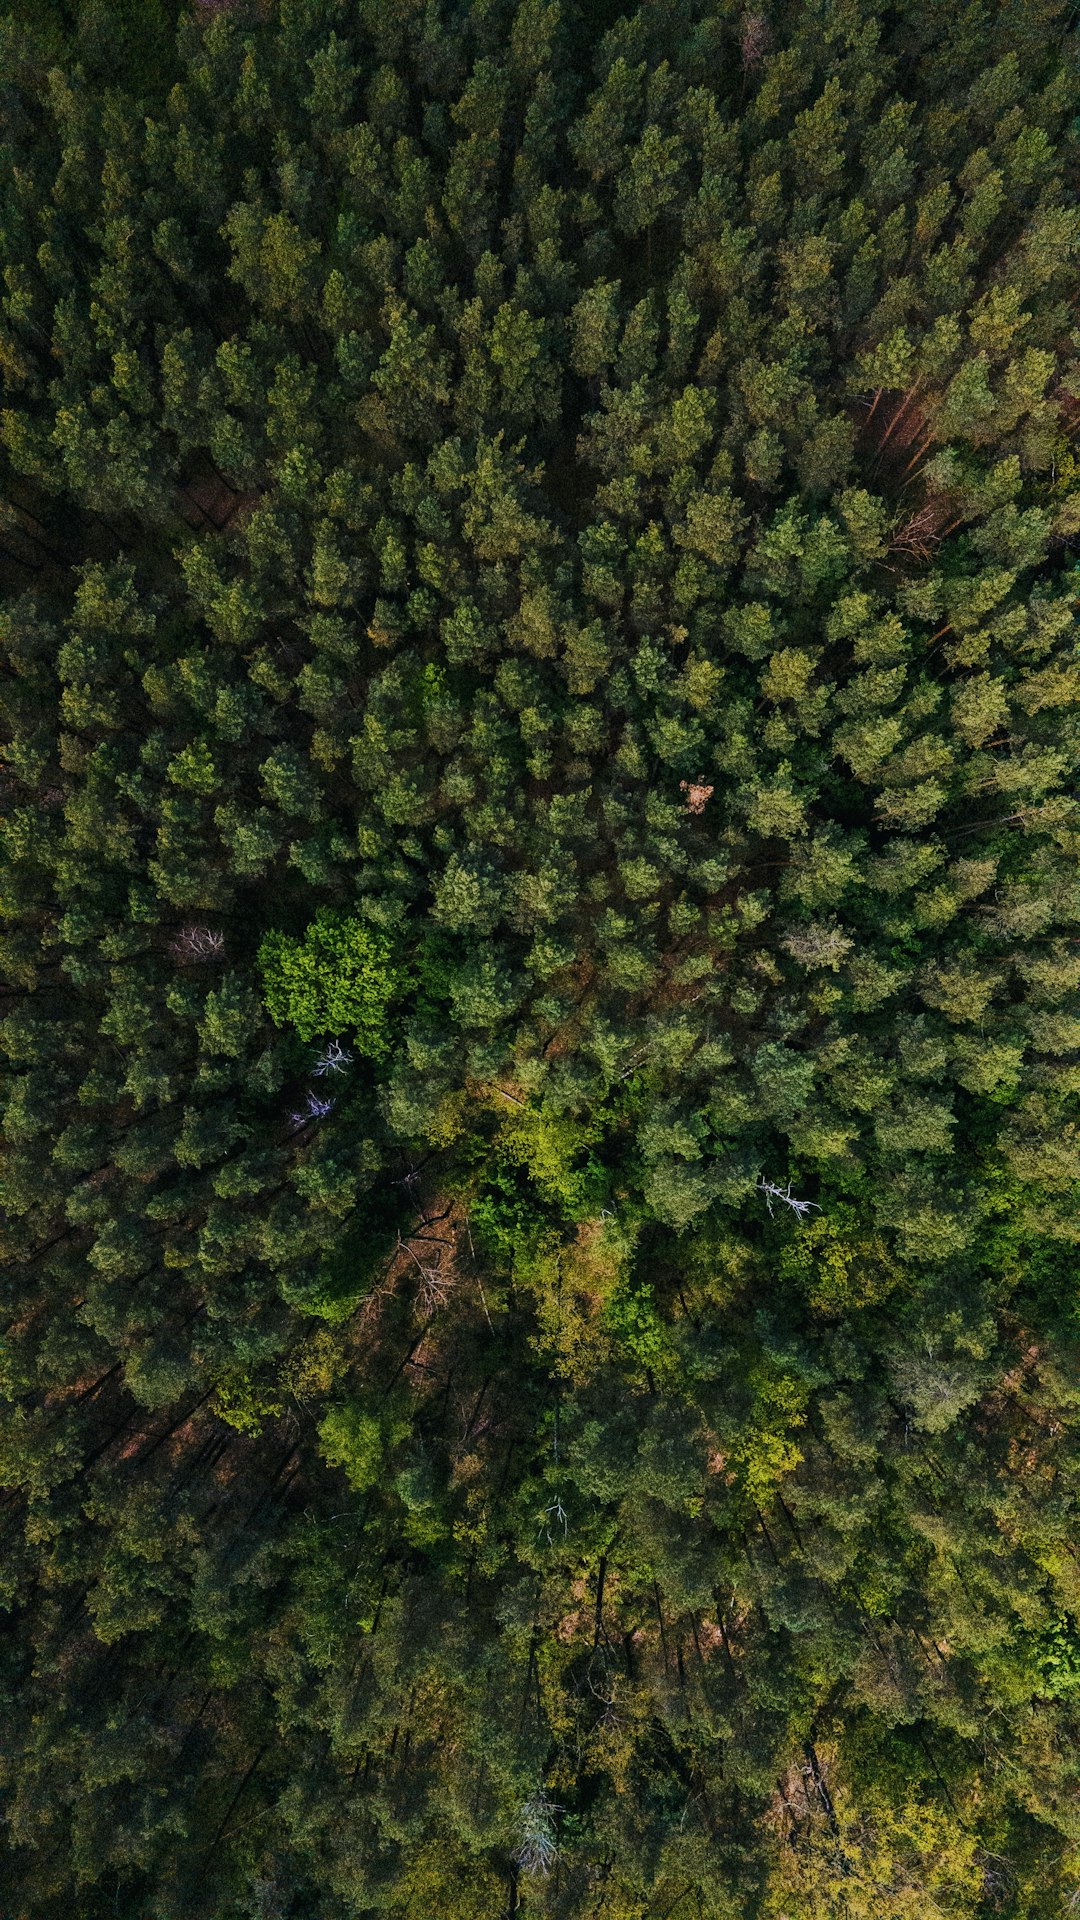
pixel 540 947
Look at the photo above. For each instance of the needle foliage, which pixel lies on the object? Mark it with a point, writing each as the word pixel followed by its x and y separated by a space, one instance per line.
pixel 540 810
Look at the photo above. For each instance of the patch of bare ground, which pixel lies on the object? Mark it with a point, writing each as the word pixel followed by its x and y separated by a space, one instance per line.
pixel 434 1257
pixel 897 434
pixel 208 500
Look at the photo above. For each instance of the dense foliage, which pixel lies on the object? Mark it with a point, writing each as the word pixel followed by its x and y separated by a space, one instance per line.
pixel 541 931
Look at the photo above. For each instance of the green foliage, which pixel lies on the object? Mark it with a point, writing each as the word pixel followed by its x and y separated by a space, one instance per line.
pixel 246 1405
pixel 355 1440
pixel 540 725
pixel 633 1320
pixel 337 978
